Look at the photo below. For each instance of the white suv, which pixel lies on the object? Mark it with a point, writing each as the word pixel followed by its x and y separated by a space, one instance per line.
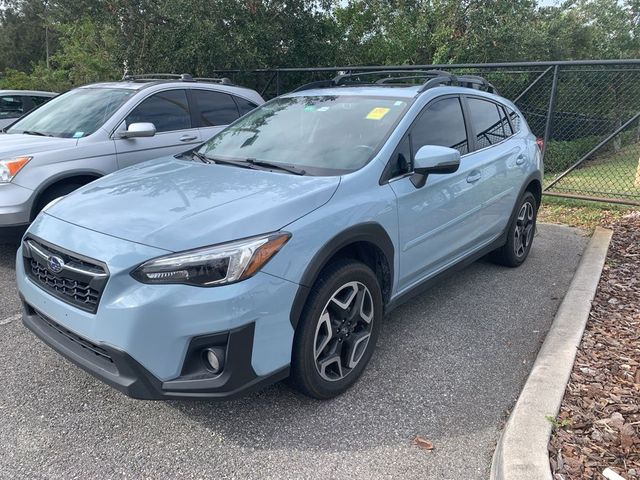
pixel 94 130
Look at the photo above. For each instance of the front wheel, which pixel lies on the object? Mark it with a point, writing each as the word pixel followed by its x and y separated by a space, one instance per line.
pixel 520 235
pixel 337 331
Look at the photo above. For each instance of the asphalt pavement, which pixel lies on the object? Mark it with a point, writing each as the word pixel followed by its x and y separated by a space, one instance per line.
pixel 448 367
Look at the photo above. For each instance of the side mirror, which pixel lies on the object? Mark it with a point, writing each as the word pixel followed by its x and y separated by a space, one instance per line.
pixel 139 130
pixel 433 159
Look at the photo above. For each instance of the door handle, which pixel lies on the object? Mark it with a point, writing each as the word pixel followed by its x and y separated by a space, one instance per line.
pixel 188 138
pixel 474 177
pixel 520 159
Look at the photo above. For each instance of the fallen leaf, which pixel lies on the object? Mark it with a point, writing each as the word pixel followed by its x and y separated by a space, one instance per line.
pixel 423 443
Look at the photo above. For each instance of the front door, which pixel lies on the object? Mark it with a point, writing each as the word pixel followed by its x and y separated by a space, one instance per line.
pixel 169 112
pixel 436 222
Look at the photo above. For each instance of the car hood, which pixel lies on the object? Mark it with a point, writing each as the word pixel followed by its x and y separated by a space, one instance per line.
pixel 16 144
pixel 178 205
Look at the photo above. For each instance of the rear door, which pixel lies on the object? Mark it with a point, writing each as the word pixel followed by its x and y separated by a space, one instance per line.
pixel 169 112
pixel 495 161
pixel 436 222
pixel 212 111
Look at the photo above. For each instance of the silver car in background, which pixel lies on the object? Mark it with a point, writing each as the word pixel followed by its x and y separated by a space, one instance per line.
pixel 15 103
pixel 97 129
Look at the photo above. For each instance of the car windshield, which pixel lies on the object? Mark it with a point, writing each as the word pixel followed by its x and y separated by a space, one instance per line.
pixel 75 114
pixel 324 135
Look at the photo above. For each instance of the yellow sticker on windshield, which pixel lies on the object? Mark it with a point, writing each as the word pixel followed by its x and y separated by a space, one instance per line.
pixel 377 113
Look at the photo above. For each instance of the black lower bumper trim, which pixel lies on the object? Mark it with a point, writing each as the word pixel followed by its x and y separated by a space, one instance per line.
pixel 119 370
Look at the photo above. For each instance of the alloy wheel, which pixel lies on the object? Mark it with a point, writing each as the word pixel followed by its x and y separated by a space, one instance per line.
pixel 523 233
pixel 343 331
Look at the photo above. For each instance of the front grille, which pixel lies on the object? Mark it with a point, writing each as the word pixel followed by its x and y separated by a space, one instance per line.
pixel 79 282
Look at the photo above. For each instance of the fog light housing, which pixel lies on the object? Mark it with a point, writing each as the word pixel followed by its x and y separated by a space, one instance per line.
pixel 214 359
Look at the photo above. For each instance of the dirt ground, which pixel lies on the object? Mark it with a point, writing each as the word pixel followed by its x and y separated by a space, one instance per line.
pixel 599 421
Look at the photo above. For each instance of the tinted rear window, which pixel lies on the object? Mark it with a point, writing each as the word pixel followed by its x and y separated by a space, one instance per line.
pixel 214 108
pixel 487 122
pixel 37 101
pixel 504 120
pixel 516 121
pixel 244 106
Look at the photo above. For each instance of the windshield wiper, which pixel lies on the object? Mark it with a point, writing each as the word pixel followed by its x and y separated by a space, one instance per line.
pixel 279 166
pixel 236 163
pixel 39 134
pixel 203 158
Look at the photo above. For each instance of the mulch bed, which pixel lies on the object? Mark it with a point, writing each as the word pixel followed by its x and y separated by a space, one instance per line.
pixel 599 421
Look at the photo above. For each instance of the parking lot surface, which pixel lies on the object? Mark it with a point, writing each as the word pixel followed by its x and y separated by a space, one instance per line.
pixel 448 366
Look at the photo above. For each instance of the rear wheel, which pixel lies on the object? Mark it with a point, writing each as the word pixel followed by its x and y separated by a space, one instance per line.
pixel 338 330
pixel 521 233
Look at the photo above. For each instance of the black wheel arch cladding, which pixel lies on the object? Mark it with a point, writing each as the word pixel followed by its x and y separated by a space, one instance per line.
pixel 371 233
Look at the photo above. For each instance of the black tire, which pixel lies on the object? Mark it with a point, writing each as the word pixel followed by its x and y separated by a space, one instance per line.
pixel 349 330
pixel 520 234
pixel 54 192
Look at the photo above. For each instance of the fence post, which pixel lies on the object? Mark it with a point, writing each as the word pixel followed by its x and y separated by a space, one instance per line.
pixel 531 85
pixel 550 111
pixel 278 82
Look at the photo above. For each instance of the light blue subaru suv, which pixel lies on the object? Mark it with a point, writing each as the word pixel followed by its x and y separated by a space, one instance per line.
pixel 275 249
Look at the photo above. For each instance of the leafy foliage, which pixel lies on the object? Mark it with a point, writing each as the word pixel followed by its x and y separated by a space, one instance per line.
pixel 61 43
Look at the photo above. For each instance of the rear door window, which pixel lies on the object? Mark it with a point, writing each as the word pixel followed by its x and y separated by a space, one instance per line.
pixel 168 111
pixel 11 107
pixel 244 106
pixel 441 123
pixel 214 108
pixel 516 121
pixel 504 120
pixel 37 101
pixel 487 122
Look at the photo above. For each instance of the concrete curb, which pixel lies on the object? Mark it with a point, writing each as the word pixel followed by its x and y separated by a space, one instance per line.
pixel 521 453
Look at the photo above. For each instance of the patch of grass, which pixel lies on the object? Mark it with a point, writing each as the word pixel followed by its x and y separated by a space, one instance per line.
pixel 557 423
pixel 611 175
pixel 579 213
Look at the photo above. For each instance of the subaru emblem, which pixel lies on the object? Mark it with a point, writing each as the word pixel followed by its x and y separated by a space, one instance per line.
pixel 56 264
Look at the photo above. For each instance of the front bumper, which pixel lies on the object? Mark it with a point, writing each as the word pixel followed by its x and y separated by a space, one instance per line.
pixel 149 331
pixel 15 205
pixel 121 371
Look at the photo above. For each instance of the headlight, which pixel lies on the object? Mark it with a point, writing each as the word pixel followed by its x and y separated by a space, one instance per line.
pixel 9 168
pixel 215 265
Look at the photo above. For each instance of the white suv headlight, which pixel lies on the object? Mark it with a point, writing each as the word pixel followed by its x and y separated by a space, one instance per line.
pixel 9 168
pixel 215 265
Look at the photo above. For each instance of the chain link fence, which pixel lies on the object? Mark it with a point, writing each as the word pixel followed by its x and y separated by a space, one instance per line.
pixel 587 112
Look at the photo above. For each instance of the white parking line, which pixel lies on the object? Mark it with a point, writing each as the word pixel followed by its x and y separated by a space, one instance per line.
pixel 10 319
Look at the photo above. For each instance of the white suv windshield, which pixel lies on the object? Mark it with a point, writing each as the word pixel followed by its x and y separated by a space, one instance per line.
pixel 327 134
pixel 75 114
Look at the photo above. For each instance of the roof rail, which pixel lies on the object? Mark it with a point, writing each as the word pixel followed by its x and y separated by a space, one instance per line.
pixel 150 77
pixel 222 80
pixel 467 81
pixel 434 78
pixel 184 77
